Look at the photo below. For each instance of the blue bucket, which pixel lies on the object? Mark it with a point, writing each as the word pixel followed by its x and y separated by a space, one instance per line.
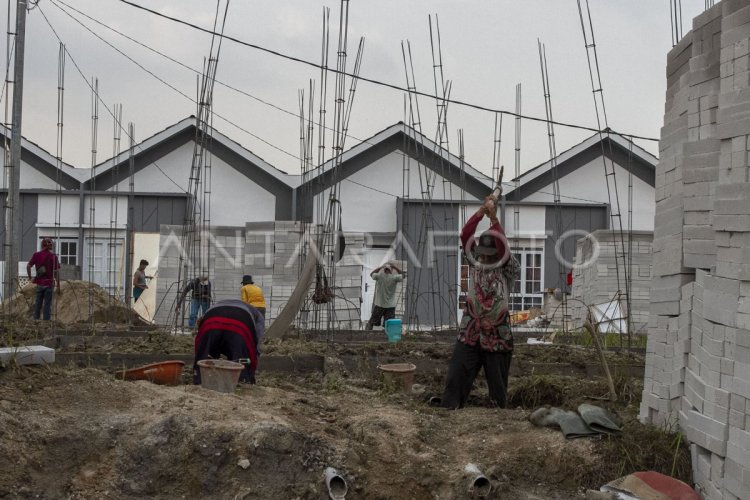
pixel 393 329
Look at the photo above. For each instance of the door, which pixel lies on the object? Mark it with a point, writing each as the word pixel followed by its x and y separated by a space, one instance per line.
pixel 373 258
pixel 104 264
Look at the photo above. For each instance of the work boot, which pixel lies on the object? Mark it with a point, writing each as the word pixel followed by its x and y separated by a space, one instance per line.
pixel 368 326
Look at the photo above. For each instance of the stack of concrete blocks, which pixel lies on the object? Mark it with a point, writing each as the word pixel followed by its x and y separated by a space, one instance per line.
pixel 348 302
pixel 259 260
pixel 286 246
pixel 595 277
pixel 170 249
pixel 661 394
pixel 224 246
pixel 270 252
pixel 226 263
pixel 711 325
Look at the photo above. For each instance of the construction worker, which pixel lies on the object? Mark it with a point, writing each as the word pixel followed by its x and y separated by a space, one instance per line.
pixel 232 329
pixel 47 277
pixel 252 294
pixel 201 299
pixel 485 339
pixel 139 280
pixel 384 303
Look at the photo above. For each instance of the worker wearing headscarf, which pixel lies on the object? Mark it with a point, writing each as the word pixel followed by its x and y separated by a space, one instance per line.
pixel 484 339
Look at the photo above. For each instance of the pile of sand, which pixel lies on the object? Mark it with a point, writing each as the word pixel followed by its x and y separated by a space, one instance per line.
pixel 77 302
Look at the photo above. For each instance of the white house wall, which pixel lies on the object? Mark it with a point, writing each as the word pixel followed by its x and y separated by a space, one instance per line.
pixel 103 212
pixel 587 184
pixel 235 199
pixel 48 210
pixel 369 197
pixel 32 178
pixel 531 221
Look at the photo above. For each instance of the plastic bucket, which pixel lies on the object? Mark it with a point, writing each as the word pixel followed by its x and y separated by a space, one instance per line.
pixel 393 329
pixel 404 370
pixel 164 373
pixel 220 375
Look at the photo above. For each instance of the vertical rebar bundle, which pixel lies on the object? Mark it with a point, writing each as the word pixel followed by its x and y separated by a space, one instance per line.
pixel 587 27
pixel 562 272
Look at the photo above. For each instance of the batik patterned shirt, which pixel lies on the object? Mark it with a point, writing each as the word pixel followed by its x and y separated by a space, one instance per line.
pixel 485 321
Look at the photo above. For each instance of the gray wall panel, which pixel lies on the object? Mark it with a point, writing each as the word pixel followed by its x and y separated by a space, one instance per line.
pixel 586 219
pixel 150 212
pixel 432 276
pixel 29 216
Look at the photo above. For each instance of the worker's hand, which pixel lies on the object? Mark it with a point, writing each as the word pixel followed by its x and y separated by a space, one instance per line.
pixel 490 209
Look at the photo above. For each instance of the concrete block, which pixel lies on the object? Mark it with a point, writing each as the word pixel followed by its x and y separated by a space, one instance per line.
pixel 27 355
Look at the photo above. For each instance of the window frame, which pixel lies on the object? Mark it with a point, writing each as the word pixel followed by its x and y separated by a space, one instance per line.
pixel 520 299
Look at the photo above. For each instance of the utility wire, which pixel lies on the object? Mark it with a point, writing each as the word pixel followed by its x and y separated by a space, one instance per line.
pixel 371 80
pixel 160 79
pixel 131 59
pixel 157 77
pixel 72 59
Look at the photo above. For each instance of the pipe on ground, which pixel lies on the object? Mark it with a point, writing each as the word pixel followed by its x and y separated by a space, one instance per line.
pixel 479 485
pixel 336 484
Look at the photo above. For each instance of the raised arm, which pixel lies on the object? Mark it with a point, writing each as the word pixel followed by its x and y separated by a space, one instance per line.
pixel 467 233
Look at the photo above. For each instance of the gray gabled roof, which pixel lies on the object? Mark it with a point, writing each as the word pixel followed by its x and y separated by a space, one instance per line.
pixel 625 153
pixel 41 160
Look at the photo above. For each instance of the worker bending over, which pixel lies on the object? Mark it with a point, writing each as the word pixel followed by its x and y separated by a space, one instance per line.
pixel 484 339
pixel 232 329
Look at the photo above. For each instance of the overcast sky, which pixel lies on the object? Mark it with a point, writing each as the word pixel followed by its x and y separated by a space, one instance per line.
pixel 488 47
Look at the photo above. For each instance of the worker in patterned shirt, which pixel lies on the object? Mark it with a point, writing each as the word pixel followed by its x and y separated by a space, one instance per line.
pixel 484 339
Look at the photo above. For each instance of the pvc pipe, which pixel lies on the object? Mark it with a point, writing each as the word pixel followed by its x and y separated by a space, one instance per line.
pixel 336 485
pixel 479 485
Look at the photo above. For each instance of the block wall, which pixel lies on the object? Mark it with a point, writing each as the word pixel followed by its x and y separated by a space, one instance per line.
pixel 698 354
pixel 595 279
pixel 272 253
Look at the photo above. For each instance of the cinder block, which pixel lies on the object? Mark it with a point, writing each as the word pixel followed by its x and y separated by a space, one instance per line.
pixel 27 355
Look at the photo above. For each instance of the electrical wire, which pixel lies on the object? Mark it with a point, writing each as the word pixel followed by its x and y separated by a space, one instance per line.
pixel 80 72
pixel 369 80
pixel 55 2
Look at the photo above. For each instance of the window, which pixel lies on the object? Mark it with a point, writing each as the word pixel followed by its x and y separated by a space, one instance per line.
pixel 66 249
pixel 528 288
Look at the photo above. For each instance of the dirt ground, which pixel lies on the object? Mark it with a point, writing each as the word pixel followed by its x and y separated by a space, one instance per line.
pixel 79 433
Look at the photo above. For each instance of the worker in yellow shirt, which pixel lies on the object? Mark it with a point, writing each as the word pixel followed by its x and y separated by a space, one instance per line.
pixel 253 295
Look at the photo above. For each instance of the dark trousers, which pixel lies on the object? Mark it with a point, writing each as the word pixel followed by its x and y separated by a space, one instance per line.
pixel 380 314
pixel 217 342
pixel 43 296
pixel 463 369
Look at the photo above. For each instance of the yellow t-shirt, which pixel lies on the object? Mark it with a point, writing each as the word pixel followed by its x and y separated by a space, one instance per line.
pixel 253 295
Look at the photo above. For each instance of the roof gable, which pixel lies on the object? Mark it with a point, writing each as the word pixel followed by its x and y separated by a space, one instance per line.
pixel 412 143
pixel 614 147
pixel 42 161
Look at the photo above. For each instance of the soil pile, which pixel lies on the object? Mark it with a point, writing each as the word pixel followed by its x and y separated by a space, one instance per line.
pixel 83 434
pixel 77 302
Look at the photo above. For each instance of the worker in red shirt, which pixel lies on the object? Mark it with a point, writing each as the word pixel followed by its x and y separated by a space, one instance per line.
pixel 484 339
pixel 47 277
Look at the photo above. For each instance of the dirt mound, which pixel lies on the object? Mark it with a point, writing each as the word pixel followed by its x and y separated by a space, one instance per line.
pixel 82 434
pixel 78 302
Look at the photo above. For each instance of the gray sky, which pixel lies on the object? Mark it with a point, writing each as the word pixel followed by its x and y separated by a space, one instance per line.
pixel 488 47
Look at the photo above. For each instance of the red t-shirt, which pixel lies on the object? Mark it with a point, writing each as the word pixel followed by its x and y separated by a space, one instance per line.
pixel 50 263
